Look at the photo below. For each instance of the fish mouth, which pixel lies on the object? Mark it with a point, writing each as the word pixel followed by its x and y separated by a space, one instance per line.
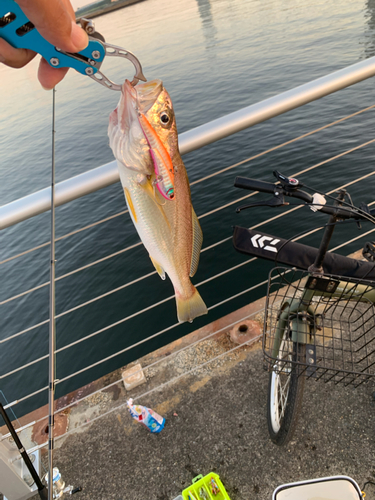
pixel 147 93
pixel 140 98
pixel 126 137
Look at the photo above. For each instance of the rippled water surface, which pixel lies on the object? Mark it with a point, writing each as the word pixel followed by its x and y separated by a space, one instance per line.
pixel 214 56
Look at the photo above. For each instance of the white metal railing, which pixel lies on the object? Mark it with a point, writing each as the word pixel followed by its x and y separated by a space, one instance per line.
pixel 196 138
pixel 97 332
pixel 242 162
pixel 103 176
pixel 161 360
pixel 154 272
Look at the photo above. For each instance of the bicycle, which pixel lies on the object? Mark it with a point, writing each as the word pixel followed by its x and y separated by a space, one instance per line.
pixel 319 315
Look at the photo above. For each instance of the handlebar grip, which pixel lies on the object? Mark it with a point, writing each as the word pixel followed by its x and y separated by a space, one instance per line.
pixel 254 185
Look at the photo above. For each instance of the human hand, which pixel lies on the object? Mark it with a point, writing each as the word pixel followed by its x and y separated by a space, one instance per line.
pixel 55 21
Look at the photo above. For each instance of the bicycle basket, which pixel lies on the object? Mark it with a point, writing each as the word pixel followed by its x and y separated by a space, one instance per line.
pixel 321 327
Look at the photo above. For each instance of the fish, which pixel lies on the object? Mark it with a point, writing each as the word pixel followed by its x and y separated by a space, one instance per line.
pixel 143 136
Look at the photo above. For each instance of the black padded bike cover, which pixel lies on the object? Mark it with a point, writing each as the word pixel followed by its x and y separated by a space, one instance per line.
pixel 266 246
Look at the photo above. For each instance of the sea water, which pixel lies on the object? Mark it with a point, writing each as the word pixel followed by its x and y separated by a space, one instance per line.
pixel 214 57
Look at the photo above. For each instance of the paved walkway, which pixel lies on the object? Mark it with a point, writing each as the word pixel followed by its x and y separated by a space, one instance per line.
pixel 215 421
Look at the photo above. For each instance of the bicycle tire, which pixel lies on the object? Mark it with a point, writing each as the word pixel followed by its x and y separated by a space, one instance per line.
pixel 282 426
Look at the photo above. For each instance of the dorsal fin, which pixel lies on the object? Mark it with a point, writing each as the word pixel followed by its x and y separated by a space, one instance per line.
pixel 197 243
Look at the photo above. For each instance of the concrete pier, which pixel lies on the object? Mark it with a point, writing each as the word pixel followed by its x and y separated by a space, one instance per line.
pixel 215 422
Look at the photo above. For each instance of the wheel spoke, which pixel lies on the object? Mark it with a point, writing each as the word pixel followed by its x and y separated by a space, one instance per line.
pixel 280 383
pixel 285 387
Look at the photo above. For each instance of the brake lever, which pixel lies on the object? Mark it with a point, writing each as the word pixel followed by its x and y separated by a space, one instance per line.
pixel 276 201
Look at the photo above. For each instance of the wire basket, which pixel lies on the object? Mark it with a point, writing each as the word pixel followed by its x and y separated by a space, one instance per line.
pixel 333 325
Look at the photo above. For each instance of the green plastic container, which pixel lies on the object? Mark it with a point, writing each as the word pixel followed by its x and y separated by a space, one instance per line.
pixel 205 482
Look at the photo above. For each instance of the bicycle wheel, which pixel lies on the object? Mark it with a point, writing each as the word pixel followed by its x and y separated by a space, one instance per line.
pixel 285 390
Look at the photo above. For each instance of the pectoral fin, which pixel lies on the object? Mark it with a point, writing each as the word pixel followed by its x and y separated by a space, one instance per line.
pixel 158 268
pixel 197 244
pixel 149 188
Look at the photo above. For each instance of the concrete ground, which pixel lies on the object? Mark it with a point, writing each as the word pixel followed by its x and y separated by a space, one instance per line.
pixel 216 421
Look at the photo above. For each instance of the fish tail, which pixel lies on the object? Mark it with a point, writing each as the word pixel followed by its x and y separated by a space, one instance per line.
pixel 190 308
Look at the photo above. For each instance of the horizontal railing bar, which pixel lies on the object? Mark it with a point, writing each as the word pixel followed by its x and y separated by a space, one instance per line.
pixel 287 143
pixel 200 217
pixel 72 233
pixel 70 273
pixel 26 397
pixel 352 240
pixel 207 248
pixel 175 353
pixel 214 174
pixel 212 307
pixel 161 360
pixel 7 339
pixel 112 325
pixel 23 366
pixel 66 191
pixel 196 138
pixel 154 335
pixel 18 430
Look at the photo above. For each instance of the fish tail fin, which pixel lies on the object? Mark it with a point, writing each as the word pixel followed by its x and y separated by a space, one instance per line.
pixel 188 309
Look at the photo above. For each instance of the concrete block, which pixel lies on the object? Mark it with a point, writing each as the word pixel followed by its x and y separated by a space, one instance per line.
pixel 133 377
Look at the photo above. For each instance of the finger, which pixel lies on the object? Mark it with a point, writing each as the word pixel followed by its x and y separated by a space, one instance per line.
pixel 48 76
pixel 15 58
pixel 69 8
pixel 55 21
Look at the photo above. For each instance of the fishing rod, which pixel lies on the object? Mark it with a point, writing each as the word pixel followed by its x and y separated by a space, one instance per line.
pixel 52 336
pixel 42 490
pixel 55 483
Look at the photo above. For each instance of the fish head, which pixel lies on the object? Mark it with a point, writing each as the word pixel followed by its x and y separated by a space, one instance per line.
pixel 162 119
pixel 126 137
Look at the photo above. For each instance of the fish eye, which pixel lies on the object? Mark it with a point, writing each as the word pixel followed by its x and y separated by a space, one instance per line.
pixel 164 118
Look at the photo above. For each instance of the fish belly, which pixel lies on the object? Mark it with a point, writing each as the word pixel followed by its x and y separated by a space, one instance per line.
pixel 157 231
pixel 153 228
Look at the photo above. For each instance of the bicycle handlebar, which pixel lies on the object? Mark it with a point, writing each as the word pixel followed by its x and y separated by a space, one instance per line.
pixel 269 187
pixel 290 187
pixel 254 185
